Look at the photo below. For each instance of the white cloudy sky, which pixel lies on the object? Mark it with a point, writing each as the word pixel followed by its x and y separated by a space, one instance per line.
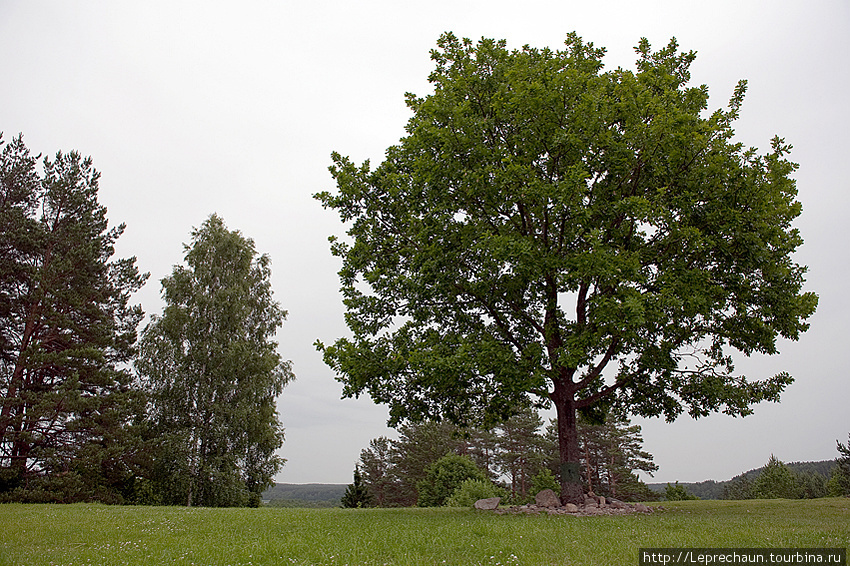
pixel 190 108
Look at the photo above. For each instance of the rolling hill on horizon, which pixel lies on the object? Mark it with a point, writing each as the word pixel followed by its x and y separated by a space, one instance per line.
pixel 329 494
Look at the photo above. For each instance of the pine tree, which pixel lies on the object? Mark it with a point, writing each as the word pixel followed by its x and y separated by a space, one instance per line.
pixel 418 447
pixel 67 331
pixel 521 453
pixel 611 453
pixel 843 474
pixel 775 481
pixel 378 470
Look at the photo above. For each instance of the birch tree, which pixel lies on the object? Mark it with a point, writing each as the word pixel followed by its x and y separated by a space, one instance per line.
pixel 213 374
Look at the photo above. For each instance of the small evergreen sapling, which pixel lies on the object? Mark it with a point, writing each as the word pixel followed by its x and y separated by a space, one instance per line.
pixel 356 494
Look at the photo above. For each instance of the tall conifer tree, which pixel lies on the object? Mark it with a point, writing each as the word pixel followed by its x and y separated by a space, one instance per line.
pixel 67 331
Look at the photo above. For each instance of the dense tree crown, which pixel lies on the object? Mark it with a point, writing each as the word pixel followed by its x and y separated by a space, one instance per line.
pixel 213 373
pixel 549 232
pixel 67 331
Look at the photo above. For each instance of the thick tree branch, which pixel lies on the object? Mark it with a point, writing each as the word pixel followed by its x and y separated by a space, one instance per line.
pixel 596 371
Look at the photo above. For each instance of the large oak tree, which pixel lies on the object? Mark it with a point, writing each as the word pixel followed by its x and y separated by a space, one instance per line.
pixel 551 232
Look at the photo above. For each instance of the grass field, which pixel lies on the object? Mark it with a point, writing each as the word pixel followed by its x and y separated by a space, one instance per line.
pixel 95 534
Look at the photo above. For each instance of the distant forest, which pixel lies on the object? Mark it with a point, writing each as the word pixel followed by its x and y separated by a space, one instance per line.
pixel 711 489
pixel 329 495
pixel 304 495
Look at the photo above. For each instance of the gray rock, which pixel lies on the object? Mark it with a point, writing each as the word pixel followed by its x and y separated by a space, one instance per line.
pixel 487 504
pixel 570 508
pixel 617 504
pixel 641 508
pixel 548 499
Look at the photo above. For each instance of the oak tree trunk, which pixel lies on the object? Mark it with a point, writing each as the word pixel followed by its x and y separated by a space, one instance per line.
pixel 568 447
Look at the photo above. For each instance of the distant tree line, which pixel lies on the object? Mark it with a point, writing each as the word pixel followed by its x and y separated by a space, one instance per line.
pixel 304 495
pixel 88 412
pixel 777 480
pixel 519 457
pixel 796 480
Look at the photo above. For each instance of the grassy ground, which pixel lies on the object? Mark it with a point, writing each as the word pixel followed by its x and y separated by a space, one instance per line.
pixel 95 534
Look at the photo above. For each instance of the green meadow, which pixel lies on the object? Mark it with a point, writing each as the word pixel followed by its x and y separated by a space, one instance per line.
pixel 97 534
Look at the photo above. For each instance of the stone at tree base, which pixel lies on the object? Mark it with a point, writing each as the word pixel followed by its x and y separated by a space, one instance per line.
pixel 548 499
pixel 617 504
pixel 487 504
pixel 547 502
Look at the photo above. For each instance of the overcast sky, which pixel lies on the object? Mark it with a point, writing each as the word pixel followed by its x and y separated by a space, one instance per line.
pixel 191 108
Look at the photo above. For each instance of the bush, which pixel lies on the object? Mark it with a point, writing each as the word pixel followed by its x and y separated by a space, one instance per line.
pixel 471 491
pixel 545 479
pixel 444 476
pixel 677 493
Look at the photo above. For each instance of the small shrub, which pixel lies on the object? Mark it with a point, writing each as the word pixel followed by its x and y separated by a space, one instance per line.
pixel 545 479
pixel 677 493
pixel 356 494
pixel 471 491
pixel 444 476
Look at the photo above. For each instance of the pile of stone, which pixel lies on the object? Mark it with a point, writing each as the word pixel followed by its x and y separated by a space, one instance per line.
pixel 547 502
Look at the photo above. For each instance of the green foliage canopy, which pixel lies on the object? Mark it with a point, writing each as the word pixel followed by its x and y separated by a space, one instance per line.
pixel 611 454
pixel 520 451
pixel 549 232
pixel 676 492
pixel 545 479
pixel 775 481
